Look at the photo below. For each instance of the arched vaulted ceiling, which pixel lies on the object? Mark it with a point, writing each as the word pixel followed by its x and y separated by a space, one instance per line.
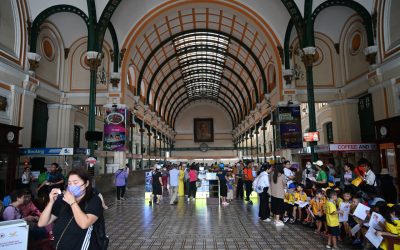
pixel 198 51
pixel 184 51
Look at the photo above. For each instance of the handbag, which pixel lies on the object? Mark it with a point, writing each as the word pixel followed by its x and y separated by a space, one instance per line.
pixel 63 232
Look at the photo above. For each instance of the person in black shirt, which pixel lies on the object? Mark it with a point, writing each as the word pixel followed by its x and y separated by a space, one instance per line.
pixel 156 183
pixel 74 213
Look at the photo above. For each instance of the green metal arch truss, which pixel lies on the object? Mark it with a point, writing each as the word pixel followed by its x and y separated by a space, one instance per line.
pixel 104 20
pixel 356 7
pixel 239 115
pixel 169 39
pixel 180 78
pixel 297 18
pixel 48 12
pixel 228 54
pixel 115 46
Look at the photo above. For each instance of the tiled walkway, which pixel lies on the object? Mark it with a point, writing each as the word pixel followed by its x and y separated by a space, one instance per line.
pixel 133 224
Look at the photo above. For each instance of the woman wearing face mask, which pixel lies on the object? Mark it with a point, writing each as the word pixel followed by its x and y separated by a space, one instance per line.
pixel 308 174
pixel 73 213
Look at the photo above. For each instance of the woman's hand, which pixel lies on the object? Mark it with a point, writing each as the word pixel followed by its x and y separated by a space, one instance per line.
pixel 69 197
pixel 53 194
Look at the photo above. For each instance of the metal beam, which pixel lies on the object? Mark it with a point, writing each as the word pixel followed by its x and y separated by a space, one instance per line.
pixel 202 61
pixel 115 46
pixel 210 33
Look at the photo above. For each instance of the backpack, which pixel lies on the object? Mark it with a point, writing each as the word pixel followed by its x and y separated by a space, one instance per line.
pixel 259 189
pixel 99 229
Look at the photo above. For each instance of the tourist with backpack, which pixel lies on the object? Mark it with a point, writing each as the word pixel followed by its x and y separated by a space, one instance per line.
pixel 77 215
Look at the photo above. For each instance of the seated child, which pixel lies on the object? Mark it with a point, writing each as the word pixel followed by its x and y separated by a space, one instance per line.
pixel 298 196
pixel 289 202
pixel 392 227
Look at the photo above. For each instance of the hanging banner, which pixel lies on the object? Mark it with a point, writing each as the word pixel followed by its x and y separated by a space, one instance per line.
pixel 115 129
pixel 288 127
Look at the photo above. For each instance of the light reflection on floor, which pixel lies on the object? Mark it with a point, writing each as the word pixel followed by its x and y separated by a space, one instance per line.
pixel 133 224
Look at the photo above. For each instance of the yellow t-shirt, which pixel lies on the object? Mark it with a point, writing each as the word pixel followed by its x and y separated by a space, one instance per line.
pixel 393 229
pixel 288 198
pixel 300 196
pixel 332 218
pixel 317 206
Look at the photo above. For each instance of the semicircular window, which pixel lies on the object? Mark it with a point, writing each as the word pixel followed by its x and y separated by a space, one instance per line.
pixel 201 57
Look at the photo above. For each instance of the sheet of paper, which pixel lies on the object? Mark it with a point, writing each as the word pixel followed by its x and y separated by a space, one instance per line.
pixel 373 238
pixel 361 211
pixel 301 203
pixel 376 221
pixel 355 229
pixel 345 208
pixel 311 178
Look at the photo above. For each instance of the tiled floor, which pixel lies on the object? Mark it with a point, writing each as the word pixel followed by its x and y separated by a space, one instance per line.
pixel 133 224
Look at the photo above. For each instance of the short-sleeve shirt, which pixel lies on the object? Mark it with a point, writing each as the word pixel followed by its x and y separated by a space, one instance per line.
pixel 332 220
pixel 11 213
pixel 174 177
pixel 74 237
pixel 321 176
pixel 288 173
pixel 54 178
pixel 192 175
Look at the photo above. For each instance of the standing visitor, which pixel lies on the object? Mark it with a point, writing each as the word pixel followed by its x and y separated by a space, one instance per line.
pixel 120 177
pixel 231 181
pixel 165 177
pixel 181 186
pixel 239 181
pixel 321 180
pixel 248 181
pixel 156 183
pixel 262 186
pixel 288 174
pixel 369 178
pixel 277 186
pixel 308 174
pixel 192 182
pixel 74 214
pixel 360 169
pixel 187 179
pixel 26 178
pixel 174 176
pixel 332 219
pixel 223 189
pixel 348 177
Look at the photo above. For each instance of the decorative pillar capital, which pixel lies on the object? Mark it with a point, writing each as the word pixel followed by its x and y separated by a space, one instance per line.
pixel 94 59
pixel 115 78
pixel 287 75
pixel 370 54
pixel 308 56
pixel 33 59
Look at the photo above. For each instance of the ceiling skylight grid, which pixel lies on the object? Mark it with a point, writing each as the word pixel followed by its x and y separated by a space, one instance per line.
pixel 201 57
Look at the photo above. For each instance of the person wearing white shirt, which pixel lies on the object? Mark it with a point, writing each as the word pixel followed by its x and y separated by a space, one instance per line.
pixel 288 173
pixel 369 178
pixel 173 184
pixel 262 183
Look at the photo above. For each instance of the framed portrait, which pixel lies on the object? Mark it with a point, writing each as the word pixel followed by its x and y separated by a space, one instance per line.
pixel 203 130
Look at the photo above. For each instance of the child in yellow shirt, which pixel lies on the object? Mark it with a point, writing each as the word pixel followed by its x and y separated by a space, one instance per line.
pixel 289 202
pixel 298 196
pixel 317 208
pixel 332 219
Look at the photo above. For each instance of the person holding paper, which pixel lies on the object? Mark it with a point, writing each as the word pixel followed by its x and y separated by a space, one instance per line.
pixel 299 197
pixel 392 228
pixel 344 206
pixel 332 219
pixel 321 180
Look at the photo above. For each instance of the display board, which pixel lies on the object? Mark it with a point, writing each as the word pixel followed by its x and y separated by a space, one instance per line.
pixel 13 235
pixel 287 122
pixel 115 132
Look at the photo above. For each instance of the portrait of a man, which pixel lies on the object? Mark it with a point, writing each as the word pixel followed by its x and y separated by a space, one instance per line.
pixel 203 130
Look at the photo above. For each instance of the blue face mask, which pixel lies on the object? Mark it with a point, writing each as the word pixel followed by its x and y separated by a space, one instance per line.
pixel 75 190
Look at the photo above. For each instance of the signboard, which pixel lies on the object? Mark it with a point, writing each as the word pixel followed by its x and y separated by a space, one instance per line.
pixel 115 129
pixel 311 136
pixel 13 235
pixel 46 151
pixel 353 147
pixel 288 127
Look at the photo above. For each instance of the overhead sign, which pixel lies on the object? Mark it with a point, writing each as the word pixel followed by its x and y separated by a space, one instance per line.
pixel 288 127
pixel 46 151
pixel 311 136
pixel 353 147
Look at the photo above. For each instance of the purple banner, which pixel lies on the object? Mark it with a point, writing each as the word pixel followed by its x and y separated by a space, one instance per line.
pixel 289 127
pixel 115 130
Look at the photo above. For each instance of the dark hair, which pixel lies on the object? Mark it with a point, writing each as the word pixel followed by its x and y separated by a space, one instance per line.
pixel 362 161
pixel 55 164
pixel 83 174
pixel 349 165
pixel 277 170
pixel 300 185
pixel 284 163
pixel 16 194
pixel 330 193
pixel 387 214
pixel 319 191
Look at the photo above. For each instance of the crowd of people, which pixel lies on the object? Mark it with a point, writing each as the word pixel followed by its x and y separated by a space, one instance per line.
pixel 320 196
